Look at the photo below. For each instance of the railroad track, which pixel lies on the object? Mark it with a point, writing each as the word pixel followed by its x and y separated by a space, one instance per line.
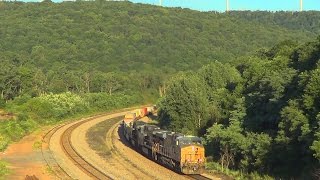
pixel 75 157
pixel 48 155
pixel 66 145
pixel 197 176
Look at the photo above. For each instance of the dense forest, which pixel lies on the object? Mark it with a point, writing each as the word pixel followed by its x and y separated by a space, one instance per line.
pixel 305 20
pixel 70 46
pixel 248 82
pixel 259 114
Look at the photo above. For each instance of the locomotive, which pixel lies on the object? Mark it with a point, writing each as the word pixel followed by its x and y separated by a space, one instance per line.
pixel 184 154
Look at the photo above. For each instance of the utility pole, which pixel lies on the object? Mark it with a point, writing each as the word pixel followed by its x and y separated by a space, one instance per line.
pixel 301 5
pixel 228 6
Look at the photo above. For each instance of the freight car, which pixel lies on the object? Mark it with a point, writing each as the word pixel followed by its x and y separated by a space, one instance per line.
pixel 182 153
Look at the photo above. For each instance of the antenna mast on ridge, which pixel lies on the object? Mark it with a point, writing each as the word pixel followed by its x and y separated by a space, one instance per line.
pixel 301 5
pixel 228 6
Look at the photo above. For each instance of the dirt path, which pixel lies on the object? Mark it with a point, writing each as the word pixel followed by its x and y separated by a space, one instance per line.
pixel 25 159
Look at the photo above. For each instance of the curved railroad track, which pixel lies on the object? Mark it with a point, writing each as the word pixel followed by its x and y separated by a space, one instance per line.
pixel 122 138
pixel 75 157
pixel 48 155
pixel 50 159
pixel 80 161
pixel 111 135
pixel 197 176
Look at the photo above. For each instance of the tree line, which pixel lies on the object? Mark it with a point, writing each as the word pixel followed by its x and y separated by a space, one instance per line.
pixel 72 46
pixel 258 114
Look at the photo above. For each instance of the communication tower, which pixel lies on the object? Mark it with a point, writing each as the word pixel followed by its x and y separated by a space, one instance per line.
pixel 227 5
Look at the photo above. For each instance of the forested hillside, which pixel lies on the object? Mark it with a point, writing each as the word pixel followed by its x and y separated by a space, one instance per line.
pixel 305 21
pixel 220 74
pixel 259 114
pixel 57 47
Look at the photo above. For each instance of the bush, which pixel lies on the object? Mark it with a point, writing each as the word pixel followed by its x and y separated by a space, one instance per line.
pixel 2 103
pixel 52 107
pixel 104 101
pixel 4 141
pixel 21 100
pixel 3 169
pixel 56 105
pixel 13 130
pixel 236 174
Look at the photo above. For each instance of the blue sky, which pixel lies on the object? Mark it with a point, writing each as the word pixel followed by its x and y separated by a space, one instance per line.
pixel 220 5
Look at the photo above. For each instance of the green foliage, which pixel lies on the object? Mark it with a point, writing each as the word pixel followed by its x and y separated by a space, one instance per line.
pixel 265 85
pixel 238 175
pixel 218 75
pixel 14 129
pixel 316 143
pixel 306 56
pixel 4 141
pixel 105 101
pixel 263 115
pixel 306 20
pixel 223 87
pixel 293 125
pixel 259 113
pixel 115 46
pixel 184 108
pixel 50 108
pixel 37 145
pixel 3 169
pixel 57 105
pixel 316 146
pixel 250 148
pixel 312 92
pixel 2 103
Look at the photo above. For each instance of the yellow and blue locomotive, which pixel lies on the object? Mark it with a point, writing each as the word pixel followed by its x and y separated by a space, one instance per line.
pixel 182 153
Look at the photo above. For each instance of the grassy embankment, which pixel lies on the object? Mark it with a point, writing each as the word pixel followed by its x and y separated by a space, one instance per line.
pixel 33 114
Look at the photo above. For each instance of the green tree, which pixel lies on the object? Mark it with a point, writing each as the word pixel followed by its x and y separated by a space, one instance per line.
pixel 184 107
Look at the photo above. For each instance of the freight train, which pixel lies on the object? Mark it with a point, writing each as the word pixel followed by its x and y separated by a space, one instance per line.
pixel 184 154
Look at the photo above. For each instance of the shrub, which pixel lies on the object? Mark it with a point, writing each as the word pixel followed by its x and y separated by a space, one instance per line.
pixel 57 105
pixel 14 130
pixel 2 103
pixel 104 101
pixel 236 174
pixel 3 169
pixel 4 141
pixel 21 100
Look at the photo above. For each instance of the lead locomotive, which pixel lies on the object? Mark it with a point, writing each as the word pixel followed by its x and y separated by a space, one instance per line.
pixel 182 153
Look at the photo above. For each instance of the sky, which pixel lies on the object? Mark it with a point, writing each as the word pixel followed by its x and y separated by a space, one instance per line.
pixel 220 5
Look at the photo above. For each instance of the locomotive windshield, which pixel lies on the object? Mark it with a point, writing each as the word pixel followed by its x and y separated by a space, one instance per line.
pixel 189 140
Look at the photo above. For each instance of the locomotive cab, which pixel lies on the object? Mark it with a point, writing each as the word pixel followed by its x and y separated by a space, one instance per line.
pixel 192 155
